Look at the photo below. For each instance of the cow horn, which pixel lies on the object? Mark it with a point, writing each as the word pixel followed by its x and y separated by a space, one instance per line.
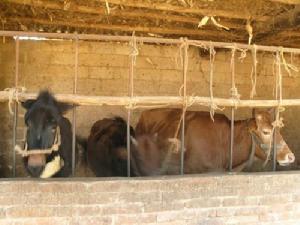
pixel 134 141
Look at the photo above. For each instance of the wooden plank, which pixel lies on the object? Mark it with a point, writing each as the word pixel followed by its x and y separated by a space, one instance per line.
pixel 152 101
pixel 127 28
pixel 131 14
pixel 290 2
pixel 192 10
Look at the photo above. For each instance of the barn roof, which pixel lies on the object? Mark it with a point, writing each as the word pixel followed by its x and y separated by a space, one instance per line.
pixel 271 22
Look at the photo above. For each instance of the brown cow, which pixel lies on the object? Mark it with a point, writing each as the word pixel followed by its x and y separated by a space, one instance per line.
pixel 207 143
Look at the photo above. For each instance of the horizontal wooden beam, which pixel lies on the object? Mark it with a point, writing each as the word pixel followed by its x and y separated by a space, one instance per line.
pixel 290 2
pixel 121 13
pixel 128 28
pixel 152 101
pixel 193 10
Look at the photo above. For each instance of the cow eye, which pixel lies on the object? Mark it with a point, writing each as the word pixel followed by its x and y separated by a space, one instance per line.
pixel 266 132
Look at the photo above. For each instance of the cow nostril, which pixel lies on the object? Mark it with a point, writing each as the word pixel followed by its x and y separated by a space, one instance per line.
pixel 291 157
pixel 35 171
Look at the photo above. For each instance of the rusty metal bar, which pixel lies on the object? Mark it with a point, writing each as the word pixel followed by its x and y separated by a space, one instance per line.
pixel 74 109
pixel 145 40
pixel 15 118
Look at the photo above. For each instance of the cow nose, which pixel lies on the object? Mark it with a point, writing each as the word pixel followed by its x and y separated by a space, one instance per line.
pixel 35 171
pixel 290 157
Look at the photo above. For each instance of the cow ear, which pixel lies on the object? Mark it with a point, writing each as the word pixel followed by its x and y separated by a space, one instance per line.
pixel 134 141
pixel 271 111
pixel 27 104
pixel 64 107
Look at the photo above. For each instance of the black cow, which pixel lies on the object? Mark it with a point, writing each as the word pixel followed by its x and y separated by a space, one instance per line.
pixel 107 147
pixel 45 124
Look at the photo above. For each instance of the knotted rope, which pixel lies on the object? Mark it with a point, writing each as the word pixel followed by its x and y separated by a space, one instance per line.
pixel 54 148
pixel 213 105
pixel 278 122
pixel 13 95
pixel 233 91
pixel 254 71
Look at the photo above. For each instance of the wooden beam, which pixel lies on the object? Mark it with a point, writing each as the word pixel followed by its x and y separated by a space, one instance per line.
pixel 193 10
pixel 290 2
pixel 154 101
pixel 131 14
pixel 129 28
pixel 284 22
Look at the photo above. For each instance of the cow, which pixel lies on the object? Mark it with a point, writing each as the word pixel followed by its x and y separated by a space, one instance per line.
pixel 48 145
pixel 107 147
pixel 207 142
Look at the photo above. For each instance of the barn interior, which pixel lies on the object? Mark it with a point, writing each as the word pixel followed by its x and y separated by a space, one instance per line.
pixel 40 48
pixel 103 66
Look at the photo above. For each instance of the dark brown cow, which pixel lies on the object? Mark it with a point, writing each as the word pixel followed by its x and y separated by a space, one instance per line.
pixel 207 143
pixel 106 147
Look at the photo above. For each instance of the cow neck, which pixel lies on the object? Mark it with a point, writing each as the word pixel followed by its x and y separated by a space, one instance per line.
pixel 244 151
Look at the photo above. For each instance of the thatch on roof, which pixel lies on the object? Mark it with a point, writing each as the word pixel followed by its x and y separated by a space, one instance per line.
pixel 274 22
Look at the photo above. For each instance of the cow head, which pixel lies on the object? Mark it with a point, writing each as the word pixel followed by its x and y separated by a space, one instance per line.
pixel 263 132
pixel 42 119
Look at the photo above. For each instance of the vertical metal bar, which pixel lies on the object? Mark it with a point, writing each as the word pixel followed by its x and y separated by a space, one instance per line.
pixel 231 138
pixel 130 93
pixel 74 109
pixel 234 92
pixel 128 142
pixel 274 142
pixel 15 122
pixel 185 65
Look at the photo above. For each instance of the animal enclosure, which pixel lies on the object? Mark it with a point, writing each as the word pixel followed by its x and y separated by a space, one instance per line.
pixel 103 69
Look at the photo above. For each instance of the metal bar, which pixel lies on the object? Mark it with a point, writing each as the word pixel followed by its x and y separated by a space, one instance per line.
pixel 74 109
pixel 132 58
pixel 184 69
pixel 231 139
pixel 274 143
pixel 153 101
pixel 15 122
pixel 233 93
pixel 146 40
pixel 128 142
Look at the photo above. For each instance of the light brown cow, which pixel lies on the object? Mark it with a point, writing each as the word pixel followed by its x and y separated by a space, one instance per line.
pixel 207 143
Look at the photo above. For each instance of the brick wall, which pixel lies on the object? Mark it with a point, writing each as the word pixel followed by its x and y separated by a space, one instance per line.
pixel 264 199
pixel 103 70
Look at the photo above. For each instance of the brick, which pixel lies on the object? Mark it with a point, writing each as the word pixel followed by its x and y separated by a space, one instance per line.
pixel 136 218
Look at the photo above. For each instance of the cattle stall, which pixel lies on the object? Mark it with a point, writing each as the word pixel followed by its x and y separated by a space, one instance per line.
pixel 104 76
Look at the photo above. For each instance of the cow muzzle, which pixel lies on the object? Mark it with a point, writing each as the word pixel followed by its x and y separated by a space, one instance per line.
pixel 36 164
pixel 285 156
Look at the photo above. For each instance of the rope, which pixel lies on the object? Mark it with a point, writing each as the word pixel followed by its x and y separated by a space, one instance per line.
pixel 14 96
pixel 233 91
pixel 213 105
pixel 254 70
pixel 54 148
pixel 278 122
pixel 288 66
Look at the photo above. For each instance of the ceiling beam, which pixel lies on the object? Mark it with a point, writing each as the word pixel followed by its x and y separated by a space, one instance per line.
pixel 130 14
pixel 199 33
pixel 290 2
pixel 193 10
pixel 284 22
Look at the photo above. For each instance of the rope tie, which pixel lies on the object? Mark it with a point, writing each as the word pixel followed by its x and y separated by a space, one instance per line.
pixel 13 95
pixel 54 148
pixel 233 91
pixel 254 72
